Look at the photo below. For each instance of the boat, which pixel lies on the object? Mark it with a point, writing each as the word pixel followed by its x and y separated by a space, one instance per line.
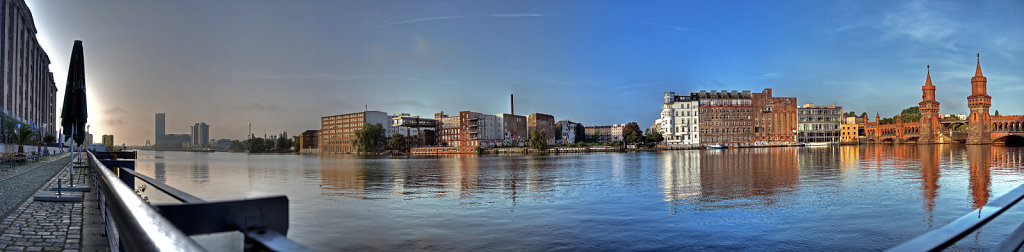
pixel 715 146
pixel 796 145
pixel 815 144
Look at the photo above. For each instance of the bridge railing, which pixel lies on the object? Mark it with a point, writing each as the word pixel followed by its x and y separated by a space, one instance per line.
pixel 949 234
pixel 135 225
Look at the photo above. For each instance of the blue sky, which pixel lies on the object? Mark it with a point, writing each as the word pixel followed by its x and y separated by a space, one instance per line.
pixel 283 65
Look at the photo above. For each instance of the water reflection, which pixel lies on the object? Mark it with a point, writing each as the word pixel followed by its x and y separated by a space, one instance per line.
pixel 929 178
pixel 436 177
pixel 728 178
pixel 200 168
pixel 980 158
pixel 734 199
pixel 161 172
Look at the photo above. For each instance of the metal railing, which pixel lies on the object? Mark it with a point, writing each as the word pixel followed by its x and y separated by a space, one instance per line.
pixel 942 238
pixel 135 225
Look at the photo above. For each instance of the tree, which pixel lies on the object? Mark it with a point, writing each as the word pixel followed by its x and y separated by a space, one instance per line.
pixel 49 139
pixel 633 137
pixel 284 143
pixel 236 146
pixel 22 136
pixel 369 138
pixel 268 144
pixel 864 115
pixel 596 138
pixel 397 142
pixel 631 127
pixel 653 136
pixel 538 140
pixel 256 145
pixel 997 112
pixel 910 111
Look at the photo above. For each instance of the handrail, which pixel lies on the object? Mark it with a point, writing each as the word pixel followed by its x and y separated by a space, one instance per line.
pixel 949 234
pixel 141 225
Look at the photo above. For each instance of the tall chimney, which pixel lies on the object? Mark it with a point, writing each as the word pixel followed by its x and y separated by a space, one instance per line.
pixel 512 102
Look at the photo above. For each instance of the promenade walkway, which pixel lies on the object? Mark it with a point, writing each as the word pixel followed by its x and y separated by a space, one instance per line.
pixel 29 225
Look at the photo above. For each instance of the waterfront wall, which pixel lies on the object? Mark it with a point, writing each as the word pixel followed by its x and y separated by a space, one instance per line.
pixel 28 148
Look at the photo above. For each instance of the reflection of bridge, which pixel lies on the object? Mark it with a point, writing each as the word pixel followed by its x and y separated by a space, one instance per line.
pixel 981 128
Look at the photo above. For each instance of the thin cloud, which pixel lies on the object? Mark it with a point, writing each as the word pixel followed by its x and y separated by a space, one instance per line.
pixel 672 28
pixel 516 15
pixel 441 18
pixel 772 75
pixel 420 20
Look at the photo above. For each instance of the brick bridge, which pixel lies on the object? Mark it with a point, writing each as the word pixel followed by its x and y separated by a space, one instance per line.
pixel 982 128
pixel 1002 128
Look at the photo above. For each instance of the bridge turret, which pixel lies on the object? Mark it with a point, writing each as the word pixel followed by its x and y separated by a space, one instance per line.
pixel 979 124
pixel 929 128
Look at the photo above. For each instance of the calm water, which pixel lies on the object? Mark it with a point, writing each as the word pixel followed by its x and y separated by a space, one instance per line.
pixel 813 198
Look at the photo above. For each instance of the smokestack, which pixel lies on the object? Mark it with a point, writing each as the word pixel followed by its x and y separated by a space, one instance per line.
pixel 512 103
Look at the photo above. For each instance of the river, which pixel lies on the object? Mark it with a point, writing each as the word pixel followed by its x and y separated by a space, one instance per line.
pixel 867 197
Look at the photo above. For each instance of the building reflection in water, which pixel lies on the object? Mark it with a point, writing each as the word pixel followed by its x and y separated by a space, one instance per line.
pixel 200 168
pixel 161 171
pixel 439 177
pixel 680 175
pixel 980 157
pixel 716 176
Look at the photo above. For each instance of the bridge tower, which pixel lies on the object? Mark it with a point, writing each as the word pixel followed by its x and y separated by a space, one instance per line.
pixel 929 130
pixel 979 123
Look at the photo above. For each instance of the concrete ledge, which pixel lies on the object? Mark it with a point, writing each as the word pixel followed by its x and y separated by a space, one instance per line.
pixel 53 197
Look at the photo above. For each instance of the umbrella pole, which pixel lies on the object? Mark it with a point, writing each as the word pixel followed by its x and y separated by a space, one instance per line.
pixel 72 178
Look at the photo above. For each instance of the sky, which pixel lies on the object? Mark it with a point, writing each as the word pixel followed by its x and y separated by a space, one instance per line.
pixel 281 65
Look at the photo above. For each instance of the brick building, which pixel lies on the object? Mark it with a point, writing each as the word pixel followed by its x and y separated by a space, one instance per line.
pixel 338 131
pixel 774 117
pixel 515 131
pixel 603 133
pixel 309 140
pixel 725 117
pixel 544 123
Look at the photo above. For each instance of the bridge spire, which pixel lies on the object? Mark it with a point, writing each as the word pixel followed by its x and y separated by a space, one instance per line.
pixel 928 81
pixel 977 71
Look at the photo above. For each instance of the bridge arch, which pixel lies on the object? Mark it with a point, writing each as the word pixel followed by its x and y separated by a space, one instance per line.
pixel 911 139
pixel 1016 139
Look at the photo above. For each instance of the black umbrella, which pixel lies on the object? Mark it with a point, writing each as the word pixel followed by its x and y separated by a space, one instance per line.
pixel 74 114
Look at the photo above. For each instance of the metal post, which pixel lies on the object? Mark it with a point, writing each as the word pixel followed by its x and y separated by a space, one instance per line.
pixel 72 156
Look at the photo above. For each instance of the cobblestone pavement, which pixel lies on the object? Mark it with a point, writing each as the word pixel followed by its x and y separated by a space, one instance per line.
pixel 46 226
pixel 16 188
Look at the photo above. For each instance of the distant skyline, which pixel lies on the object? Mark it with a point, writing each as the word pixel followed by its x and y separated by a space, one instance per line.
pixel 281 66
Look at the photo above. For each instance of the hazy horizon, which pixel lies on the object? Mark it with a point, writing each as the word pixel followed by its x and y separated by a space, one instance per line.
pixel 281 66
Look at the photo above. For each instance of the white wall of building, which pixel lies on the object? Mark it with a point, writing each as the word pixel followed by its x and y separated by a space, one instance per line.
pixel 679 120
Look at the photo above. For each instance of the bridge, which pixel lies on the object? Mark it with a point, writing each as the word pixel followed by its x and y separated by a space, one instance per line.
pixel 1004 129
pixel 981 128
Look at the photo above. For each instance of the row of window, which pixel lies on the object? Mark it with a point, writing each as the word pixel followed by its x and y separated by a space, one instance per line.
pixel 725 131
pixel 724 102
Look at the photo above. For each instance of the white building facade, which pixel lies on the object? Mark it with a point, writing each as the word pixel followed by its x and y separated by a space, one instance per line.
pixel 680 121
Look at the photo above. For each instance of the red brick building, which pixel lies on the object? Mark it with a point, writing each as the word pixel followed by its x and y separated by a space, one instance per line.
pixel 338 131
pixel 725 117
pixel 774 117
